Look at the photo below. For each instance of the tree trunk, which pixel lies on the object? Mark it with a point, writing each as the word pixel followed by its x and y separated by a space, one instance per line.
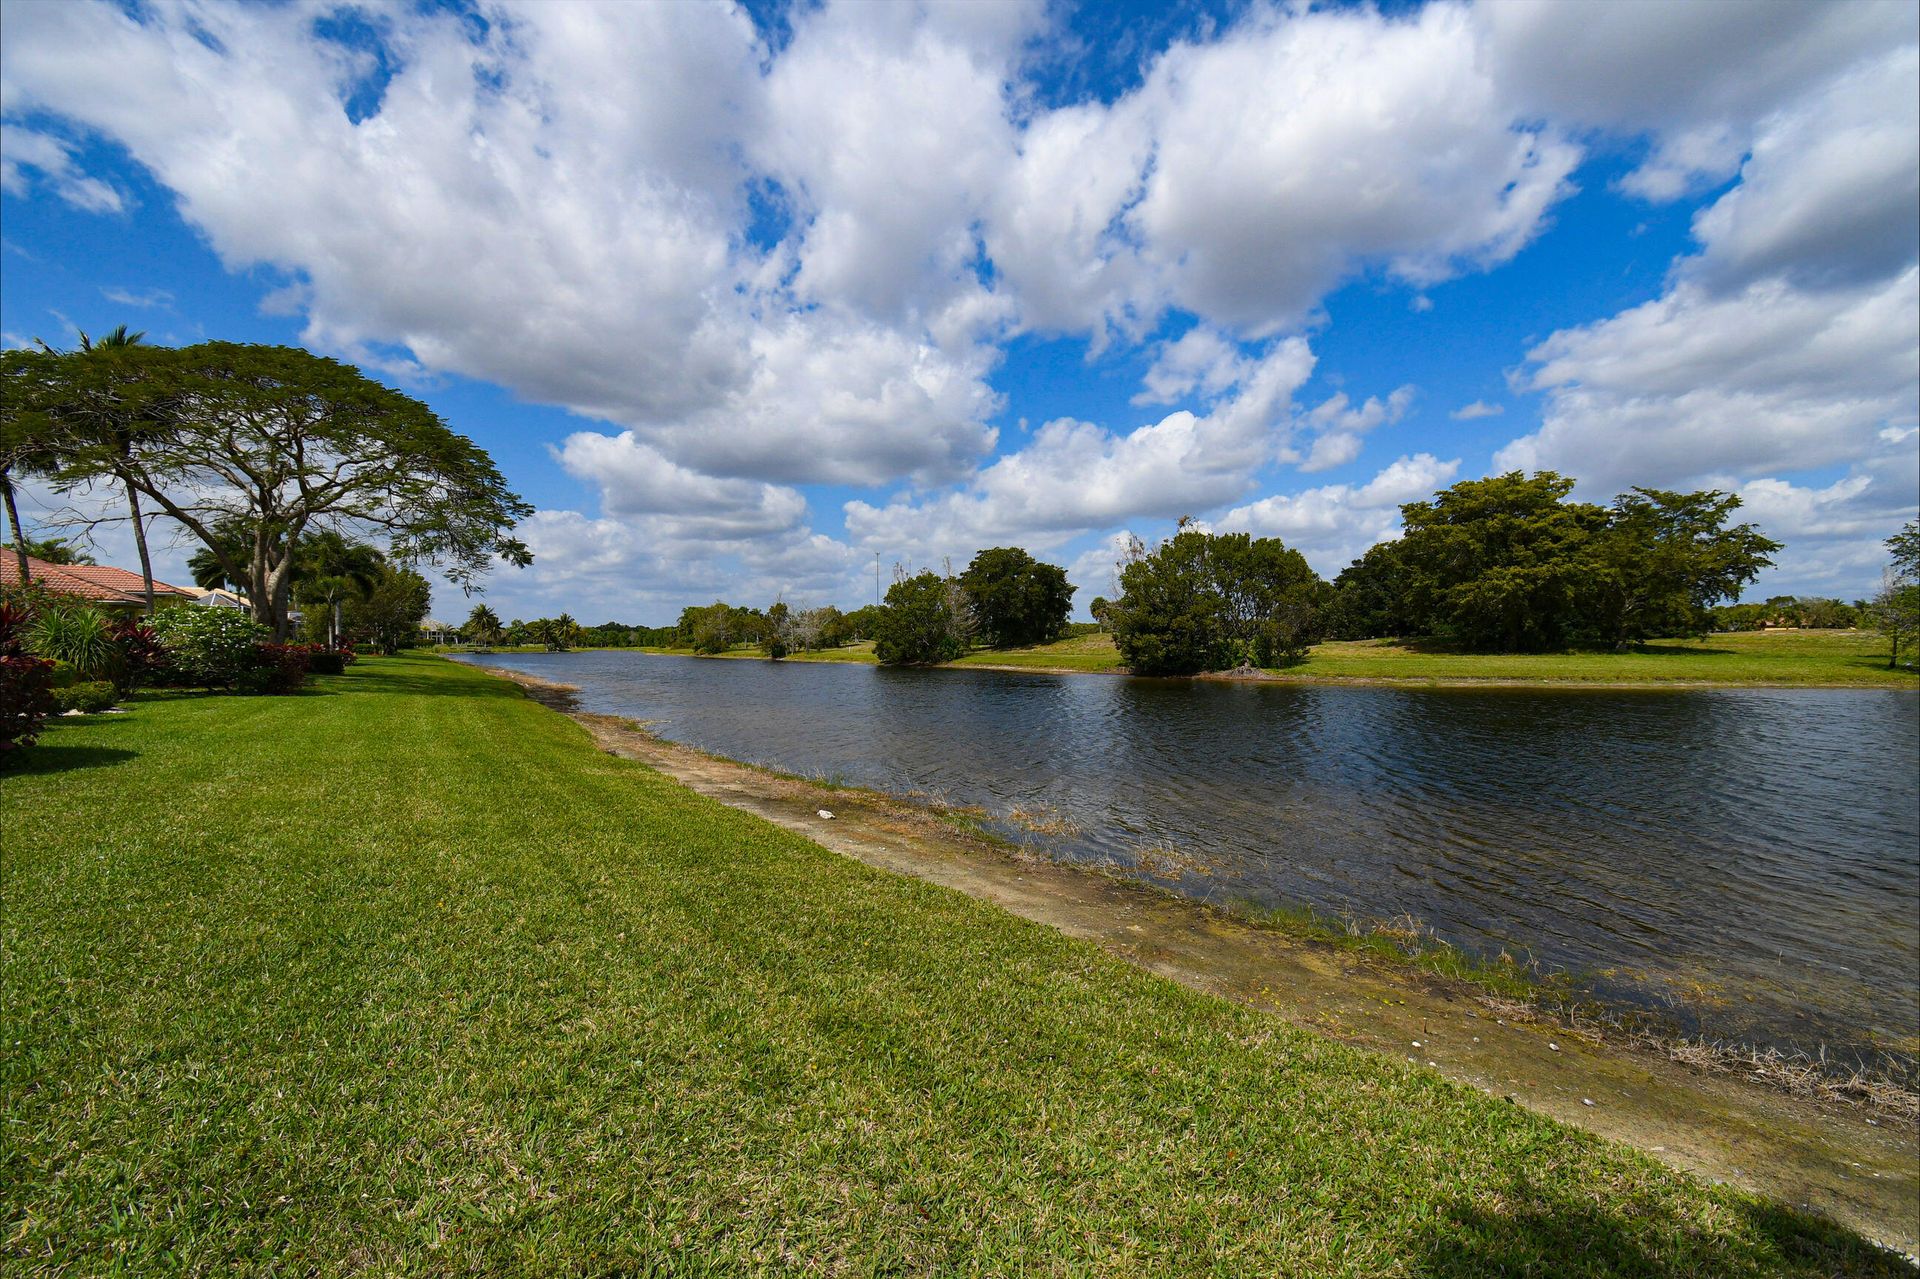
pixel 259 584
pixel 140 540
pixel 282 602
pixel 13 519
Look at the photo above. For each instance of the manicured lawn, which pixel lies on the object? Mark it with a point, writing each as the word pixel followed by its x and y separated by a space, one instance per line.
pixel 402 976
pixel 1079 653
pixel 1755 657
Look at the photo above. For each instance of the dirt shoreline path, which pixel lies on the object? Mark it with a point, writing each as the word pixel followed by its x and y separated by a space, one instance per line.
pixel 1858 1169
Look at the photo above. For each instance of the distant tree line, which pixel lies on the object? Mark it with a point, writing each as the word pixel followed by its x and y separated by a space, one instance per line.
pixel 1503 564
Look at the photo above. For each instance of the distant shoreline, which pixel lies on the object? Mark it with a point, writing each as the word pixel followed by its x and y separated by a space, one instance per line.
pixel 1818 660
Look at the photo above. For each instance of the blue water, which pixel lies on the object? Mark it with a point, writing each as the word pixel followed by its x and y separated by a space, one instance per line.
pixel 1746 860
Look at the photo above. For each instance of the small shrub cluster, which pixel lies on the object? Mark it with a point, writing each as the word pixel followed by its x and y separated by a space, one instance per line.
pixel 59 653
pixel 276 668
pixel 330 661
pixel 88 697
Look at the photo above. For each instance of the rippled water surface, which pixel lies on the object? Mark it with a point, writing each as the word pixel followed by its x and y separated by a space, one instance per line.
pixel 1751 854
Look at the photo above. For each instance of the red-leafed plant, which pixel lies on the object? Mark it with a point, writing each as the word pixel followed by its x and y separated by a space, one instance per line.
pixel 142 659
pixel 277 668
pixel 26 683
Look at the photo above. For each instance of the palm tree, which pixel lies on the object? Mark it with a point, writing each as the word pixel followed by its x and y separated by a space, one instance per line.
pixel 329 568
pixel 8 461
pixel 117 434
pixel 483 626
pixel 20 452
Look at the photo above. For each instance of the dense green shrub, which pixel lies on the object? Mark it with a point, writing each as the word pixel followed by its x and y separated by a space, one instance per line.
pixel 327 661
pixel 208 647
pixel 89 697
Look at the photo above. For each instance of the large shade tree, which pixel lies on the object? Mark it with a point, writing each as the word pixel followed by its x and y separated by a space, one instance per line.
pixel 1665 561
pixel 279 444
pixel 1501 562
pixel 1207 601
pixel 1016 598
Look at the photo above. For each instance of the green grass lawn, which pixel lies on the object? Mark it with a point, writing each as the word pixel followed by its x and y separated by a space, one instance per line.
pixel 1754 657
pixel 1853 658
pixel 402 976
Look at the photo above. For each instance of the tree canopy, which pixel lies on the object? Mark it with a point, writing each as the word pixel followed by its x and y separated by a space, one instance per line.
pixel 1209 601
pixel 1017 600
pixel 1509 563
pixel 274 442
pixel 927 619
pixel 1896 608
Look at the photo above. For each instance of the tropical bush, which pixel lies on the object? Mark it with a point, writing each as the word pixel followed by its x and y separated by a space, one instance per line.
pixel 88 697
pixel 142 659
pixel 330 661
pixel 70 631
pixel 26 682
pixel 208 647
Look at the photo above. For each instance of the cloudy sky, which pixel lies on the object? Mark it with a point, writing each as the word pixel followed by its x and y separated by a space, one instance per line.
pixel 740 296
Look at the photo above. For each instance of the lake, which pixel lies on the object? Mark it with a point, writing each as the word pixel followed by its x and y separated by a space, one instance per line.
pixel 1745 860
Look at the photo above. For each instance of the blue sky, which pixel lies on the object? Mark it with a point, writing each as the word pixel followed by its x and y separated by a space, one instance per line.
pixel 738 298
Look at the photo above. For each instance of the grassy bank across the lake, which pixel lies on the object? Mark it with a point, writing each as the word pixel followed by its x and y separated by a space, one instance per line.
pixel 403 976
pixel 1766 659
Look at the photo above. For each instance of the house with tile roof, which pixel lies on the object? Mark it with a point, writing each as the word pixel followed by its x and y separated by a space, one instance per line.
pixel 113 589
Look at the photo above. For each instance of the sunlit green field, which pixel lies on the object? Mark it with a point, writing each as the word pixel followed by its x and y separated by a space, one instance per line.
pixel 402 976
pixel 1750 657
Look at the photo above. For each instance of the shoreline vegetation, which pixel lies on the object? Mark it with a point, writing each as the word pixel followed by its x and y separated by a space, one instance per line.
pixel 1744 659
pixel 479 995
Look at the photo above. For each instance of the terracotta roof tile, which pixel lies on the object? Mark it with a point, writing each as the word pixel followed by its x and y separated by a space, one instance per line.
pixel 101 583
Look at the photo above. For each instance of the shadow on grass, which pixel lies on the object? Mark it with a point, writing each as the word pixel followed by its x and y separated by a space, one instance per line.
pixel 1667 650
pixel 405 681
pixel 1431 647
pixel 49 758
pixel 1540 1235
pixel 1879 663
